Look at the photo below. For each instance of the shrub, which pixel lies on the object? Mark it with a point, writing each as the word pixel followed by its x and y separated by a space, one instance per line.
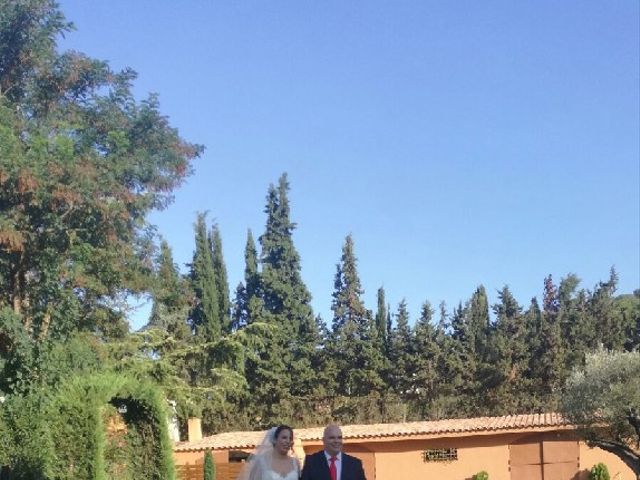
pixel 599 472
pixel 481 476
pixel 209 467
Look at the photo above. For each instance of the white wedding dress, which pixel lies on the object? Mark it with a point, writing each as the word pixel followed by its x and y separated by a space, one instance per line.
pixel 263 471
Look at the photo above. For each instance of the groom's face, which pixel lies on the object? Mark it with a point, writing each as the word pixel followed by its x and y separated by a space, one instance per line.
pixel 332 440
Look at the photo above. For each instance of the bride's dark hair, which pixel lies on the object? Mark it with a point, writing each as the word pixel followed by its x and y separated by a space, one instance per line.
pixel 279 429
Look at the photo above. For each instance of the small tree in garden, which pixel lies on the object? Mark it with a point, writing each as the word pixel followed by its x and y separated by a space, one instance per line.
pixel 210 467
pixel 599 472
pixel 483 476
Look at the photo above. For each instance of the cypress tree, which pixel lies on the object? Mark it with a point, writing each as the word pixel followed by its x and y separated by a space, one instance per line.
pixel 205 314
pixel 239 308
pixel 381 317
pixel 209 466
pixel 478 322
pixel 248 301
pixel 254 303
pixel 222 284
pixel 550 356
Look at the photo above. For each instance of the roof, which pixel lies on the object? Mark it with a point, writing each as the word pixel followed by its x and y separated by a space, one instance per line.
pixel 379 431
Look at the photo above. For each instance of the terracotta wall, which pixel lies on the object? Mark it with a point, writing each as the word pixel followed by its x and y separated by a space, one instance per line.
pixel 189 458
pixel 404 460
pixel 591 456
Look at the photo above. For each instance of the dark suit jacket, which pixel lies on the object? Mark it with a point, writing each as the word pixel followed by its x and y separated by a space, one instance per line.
pixel 316 467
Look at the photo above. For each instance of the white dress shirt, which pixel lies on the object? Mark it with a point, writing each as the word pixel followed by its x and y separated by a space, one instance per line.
pixel 338 463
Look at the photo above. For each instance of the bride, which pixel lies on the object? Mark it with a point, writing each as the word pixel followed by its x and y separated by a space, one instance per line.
pixel 271 460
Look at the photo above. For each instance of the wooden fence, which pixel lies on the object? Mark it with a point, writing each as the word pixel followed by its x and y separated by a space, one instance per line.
pixel 224 471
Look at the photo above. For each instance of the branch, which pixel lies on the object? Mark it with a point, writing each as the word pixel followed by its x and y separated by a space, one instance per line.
pixel 624 453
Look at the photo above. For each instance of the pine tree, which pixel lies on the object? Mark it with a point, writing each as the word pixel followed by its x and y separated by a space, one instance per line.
pixel 205 314
pixel 462 360
pixel 286 298
pixel 450 369
pixel 577 326
pixel 551 354
pixel 508 356
pixel 285 306
pixel 353 336
pixel 222 284
pixel 427 356
pixel 608 318
pixel 170 296
pixel 401 353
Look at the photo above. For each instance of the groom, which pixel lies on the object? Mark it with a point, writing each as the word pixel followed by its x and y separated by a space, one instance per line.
pixel 331 463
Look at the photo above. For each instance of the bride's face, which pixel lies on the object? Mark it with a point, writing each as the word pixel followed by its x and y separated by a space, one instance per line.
pixel 283 442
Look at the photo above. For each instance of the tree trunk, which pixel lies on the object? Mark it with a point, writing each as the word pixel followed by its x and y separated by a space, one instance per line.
pixel 624 453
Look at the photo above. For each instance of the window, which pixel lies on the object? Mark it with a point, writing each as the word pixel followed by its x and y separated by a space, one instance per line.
pixel 440 455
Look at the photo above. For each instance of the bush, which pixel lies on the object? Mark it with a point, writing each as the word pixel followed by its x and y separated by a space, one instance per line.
pixel 481 476
pixel 599 472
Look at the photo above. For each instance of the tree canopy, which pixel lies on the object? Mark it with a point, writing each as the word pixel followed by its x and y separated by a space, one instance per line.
pixel 603 399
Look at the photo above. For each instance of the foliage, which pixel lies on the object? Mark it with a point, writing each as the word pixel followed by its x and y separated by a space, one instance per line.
pixel 603 399
pixel 599 472
pixel 481 476
pixel 222 284
pixel 81 165
pixel 205 314
pixel 353 347
pixel 209 466
pixel 64 434
pixel 77 412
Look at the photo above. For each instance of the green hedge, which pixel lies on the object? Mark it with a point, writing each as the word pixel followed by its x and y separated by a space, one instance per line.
pixel 63 436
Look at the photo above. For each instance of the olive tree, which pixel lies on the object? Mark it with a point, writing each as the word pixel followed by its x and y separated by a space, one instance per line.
pixel 603 400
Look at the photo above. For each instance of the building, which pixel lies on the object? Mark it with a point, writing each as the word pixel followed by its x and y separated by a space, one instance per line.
pixel 514 447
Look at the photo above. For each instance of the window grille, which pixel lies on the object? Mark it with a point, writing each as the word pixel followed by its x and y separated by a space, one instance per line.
pixel 440 455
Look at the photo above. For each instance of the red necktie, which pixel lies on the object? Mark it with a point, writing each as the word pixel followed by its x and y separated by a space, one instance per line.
pixel 332 468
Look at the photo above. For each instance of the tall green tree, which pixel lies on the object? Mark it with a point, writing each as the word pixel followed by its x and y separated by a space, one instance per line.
pixel 254 302
pixel 381 316
pixel 402 354
pixel 551 354
pixel 286 297
pixel 285 306
pixel 248 300
pixel 508 356
pixel 222 283
pixel 170 296
pixel 426 357
pixel 205 313
pixel 353 336
pixel 608 318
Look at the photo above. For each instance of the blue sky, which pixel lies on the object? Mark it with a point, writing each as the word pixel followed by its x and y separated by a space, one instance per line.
pixel 460 143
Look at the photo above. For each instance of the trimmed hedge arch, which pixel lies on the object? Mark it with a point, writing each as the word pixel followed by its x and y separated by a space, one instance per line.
pixel 78 415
